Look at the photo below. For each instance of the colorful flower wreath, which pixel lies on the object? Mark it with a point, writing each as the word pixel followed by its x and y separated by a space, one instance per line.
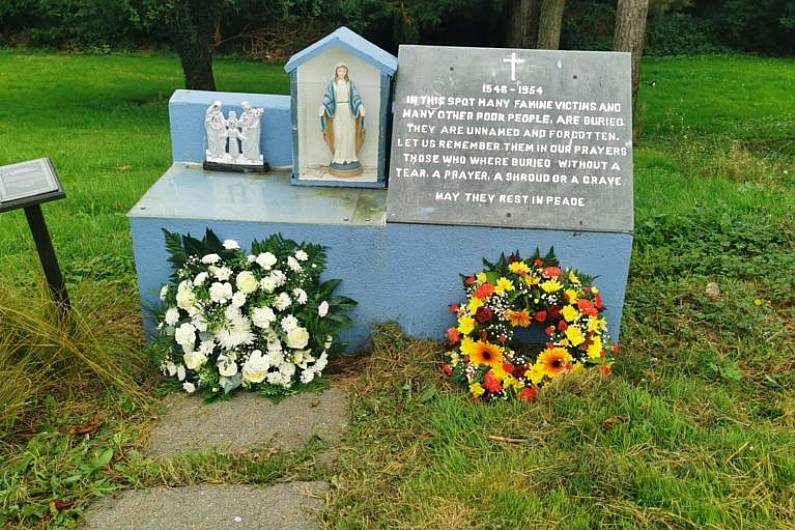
pixel 515 293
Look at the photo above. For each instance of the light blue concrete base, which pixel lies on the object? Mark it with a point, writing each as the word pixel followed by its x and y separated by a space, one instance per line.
pixel 403 272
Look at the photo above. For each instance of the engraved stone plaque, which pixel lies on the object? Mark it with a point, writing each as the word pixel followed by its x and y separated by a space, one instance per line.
pixel 512 138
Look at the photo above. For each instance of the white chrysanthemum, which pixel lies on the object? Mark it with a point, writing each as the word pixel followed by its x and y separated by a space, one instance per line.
pixel 322 309
pixel 207 347
pixel 287 370
pixel 164 293
pixel 227 367
pixel 251 258
pixel 289 323
pixel 268 284
pixel 199 321
pixel 185 285
pixel 276 378
pixel 220 293
pixel 186 298
pixel 185 335
pixel 262 317
pixel 168 368
pixel 209 259
pixel 189 387
pixel 235 331
pixel 172 316
pixel 200 278
pixel 280 277
pixel 307 376
pixel 222 273
pixel 231 244
pixel 298 338
pixel 181 372
pixel 283 301
pixel 194 360
pixel 256 368
pixel 266 260
pixel 299 295
pixel 301 255
pixel 294 265
pixel 321 363
pixel 247 282
pixel 238 299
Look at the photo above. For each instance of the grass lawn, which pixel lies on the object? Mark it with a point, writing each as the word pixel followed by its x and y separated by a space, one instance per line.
pixel 696 429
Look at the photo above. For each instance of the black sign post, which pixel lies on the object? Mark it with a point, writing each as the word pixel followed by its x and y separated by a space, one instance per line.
pixel 27 185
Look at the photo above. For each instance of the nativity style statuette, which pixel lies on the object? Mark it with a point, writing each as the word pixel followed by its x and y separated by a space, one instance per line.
pixel 233 143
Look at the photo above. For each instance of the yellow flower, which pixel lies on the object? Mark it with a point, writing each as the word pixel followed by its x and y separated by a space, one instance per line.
pixel 476 390
pixel 554 361
pixel 531 280
pixel 467 346
pixel 550 286
pixel 455 358
pixel 595 349
pixel 466 325
pixel 503 286
pixel 571 294
pixel 474 304
pixel 535 373
pixel 573 278
pixel 574 335
pixel 594 290
pixel 577 368
pixel 595 325
pixel 481 277
pixel 569 313
pixel 519 267
pixel 757 301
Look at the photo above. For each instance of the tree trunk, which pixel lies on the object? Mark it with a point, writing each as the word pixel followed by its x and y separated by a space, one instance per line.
pixel 193 29
pixel 549 24
pixel 630 36
pixel 522 23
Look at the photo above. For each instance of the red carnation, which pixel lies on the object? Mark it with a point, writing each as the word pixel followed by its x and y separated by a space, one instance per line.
pixel 604 370
pixel 469 280
pixel 587 307
pixel 483 314
pixel 553 272
pixel 448 371
pixel 562 325
pixel 519 370
pixel 554 312
pixel 491 383
pixel 541 316
pixel 549 345
pixel 550 330
pixel 538 262
pixel 502 338
pixel 598 300
pixel 452 336
pixel 528 394
pixel 614 348
pixel 507 368
pixel 454 308
pixel 484 291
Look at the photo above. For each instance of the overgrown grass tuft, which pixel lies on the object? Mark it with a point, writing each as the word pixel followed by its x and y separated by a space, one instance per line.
pixel 98 345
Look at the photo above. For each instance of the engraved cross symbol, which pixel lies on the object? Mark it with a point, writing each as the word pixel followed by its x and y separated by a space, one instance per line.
pixel 514 61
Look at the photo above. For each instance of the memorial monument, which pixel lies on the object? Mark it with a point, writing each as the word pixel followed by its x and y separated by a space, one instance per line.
pixel 493 150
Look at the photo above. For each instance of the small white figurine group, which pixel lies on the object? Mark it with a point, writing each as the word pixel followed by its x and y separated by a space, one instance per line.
pixel 232 140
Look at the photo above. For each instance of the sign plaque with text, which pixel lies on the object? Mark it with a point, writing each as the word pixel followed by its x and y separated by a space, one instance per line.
pixel 512 138
pixel 28 183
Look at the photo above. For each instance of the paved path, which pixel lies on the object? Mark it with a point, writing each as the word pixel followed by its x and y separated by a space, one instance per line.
pixel 245 422
pixel 292 506
pixel 248 421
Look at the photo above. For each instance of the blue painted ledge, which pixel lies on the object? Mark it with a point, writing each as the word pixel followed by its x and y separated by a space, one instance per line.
pixel 186 110
pixel 403 272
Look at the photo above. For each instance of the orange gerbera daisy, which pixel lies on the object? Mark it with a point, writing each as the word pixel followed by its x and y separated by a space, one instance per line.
pixel 555 361
pixel 486 353
pixel 518 318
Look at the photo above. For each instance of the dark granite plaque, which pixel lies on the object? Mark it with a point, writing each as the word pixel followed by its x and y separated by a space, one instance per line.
pixel 514 138
pixel 27 183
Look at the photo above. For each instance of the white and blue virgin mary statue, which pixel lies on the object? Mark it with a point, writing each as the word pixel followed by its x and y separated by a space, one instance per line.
pixel 342 123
